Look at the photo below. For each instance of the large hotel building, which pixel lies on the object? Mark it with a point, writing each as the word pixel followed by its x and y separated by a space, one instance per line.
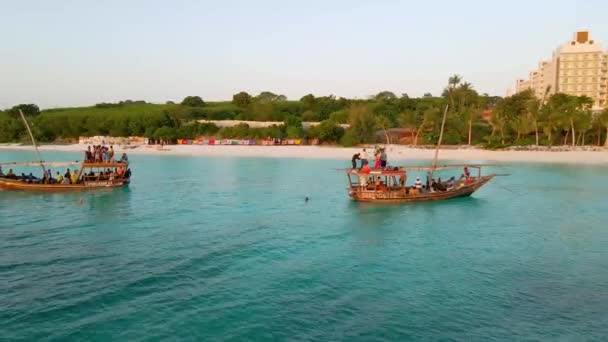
pixel 578 67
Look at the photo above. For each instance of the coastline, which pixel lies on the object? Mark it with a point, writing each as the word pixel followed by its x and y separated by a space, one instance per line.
pixel 396 153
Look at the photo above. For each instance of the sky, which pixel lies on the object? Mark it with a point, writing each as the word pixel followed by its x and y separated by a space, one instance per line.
pixel 64 53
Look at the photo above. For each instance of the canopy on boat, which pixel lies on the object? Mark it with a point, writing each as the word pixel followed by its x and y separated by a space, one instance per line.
pixel 104 165
pixel 37 163
pixel 403 169
pixel 376 172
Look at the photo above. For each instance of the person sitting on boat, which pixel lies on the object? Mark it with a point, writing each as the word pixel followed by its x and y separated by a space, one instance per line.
pixel 59 178
pixel 354 160
pixel 450 183
pixel 1 173
pixel 440 185
pixel 469 181
pixel 461 180
pixel 366 169
pixel 49 177
pixel 418 184
pixel 67 176
pixel 125 159
pixel 10 174
pixel 128 174
pixel 74 177
pixel 402 180
pixel 433 185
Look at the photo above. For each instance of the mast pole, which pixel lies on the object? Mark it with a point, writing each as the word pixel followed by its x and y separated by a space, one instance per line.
pixel 434 165
pixel 33 141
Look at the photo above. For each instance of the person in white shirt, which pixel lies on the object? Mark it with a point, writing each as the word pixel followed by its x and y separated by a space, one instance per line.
pixel 363 157
pixel 418 184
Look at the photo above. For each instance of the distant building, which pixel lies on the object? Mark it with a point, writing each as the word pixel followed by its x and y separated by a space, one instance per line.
pixel 578 67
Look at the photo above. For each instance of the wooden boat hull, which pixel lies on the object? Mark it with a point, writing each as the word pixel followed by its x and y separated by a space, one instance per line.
pixel 400 196
pixel 13 184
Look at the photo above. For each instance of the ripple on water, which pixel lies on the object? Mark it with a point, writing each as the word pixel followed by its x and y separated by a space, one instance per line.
pixel 226 248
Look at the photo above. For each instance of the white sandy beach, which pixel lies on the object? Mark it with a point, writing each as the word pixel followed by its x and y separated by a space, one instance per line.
pixel 395 152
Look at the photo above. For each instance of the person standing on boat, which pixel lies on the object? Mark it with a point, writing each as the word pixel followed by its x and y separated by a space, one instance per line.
pixel 354 159
pixel 363 156
pixel 111 154
pixel 88 155
pixel 377 163
pixel 383 158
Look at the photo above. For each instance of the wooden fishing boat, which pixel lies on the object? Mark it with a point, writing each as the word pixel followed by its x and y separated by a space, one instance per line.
pixel 390 185
pixel 91 176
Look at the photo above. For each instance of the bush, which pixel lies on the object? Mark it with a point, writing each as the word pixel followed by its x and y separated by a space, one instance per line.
pixel 193 101
pixel 327 131
pixel 493 142
pixel 348 139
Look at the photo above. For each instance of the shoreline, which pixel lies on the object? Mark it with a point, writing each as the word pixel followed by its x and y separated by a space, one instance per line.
pixel 396 153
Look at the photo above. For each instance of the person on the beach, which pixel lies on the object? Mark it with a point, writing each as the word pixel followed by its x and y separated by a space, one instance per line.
pixel 354 160
pixel 363 156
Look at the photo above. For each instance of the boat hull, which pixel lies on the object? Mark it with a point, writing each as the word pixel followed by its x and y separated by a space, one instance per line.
pixel 400 196
pixel 18 185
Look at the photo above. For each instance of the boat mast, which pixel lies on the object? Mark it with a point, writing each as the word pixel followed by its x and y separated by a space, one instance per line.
pixel 33 142
pixel 434 165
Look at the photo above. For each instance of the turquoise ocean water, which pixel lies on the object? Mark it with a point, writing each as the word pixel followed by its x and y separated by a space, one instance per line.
pixel 207 249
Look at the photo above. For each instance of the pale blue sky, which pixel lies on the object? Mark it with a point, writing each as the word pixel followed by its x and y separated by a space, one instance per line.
pixel 66 53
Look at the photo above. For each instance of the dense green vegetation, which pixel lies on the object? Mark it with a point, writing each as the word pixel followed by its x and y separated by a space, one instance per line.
pixel 521 119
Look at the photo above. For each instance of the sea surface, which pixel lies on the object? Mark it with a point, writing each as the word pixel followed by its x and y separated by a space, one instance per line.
pixel 227 249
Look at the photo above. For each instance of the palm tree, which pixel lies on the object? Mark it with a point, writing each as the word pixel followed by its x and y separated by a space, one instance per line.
pixel 453 82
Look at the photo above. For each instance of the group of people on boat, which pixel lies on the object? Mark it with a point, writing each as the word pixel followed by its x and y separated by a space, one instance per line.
pixel 432 185
pixel 380 159
pixel 69 177
pixel 102 154
pixel 437 185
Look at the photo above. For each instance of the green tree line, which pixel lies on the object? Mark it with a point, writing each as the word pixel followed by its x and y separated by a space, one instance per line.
pixel 521 119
